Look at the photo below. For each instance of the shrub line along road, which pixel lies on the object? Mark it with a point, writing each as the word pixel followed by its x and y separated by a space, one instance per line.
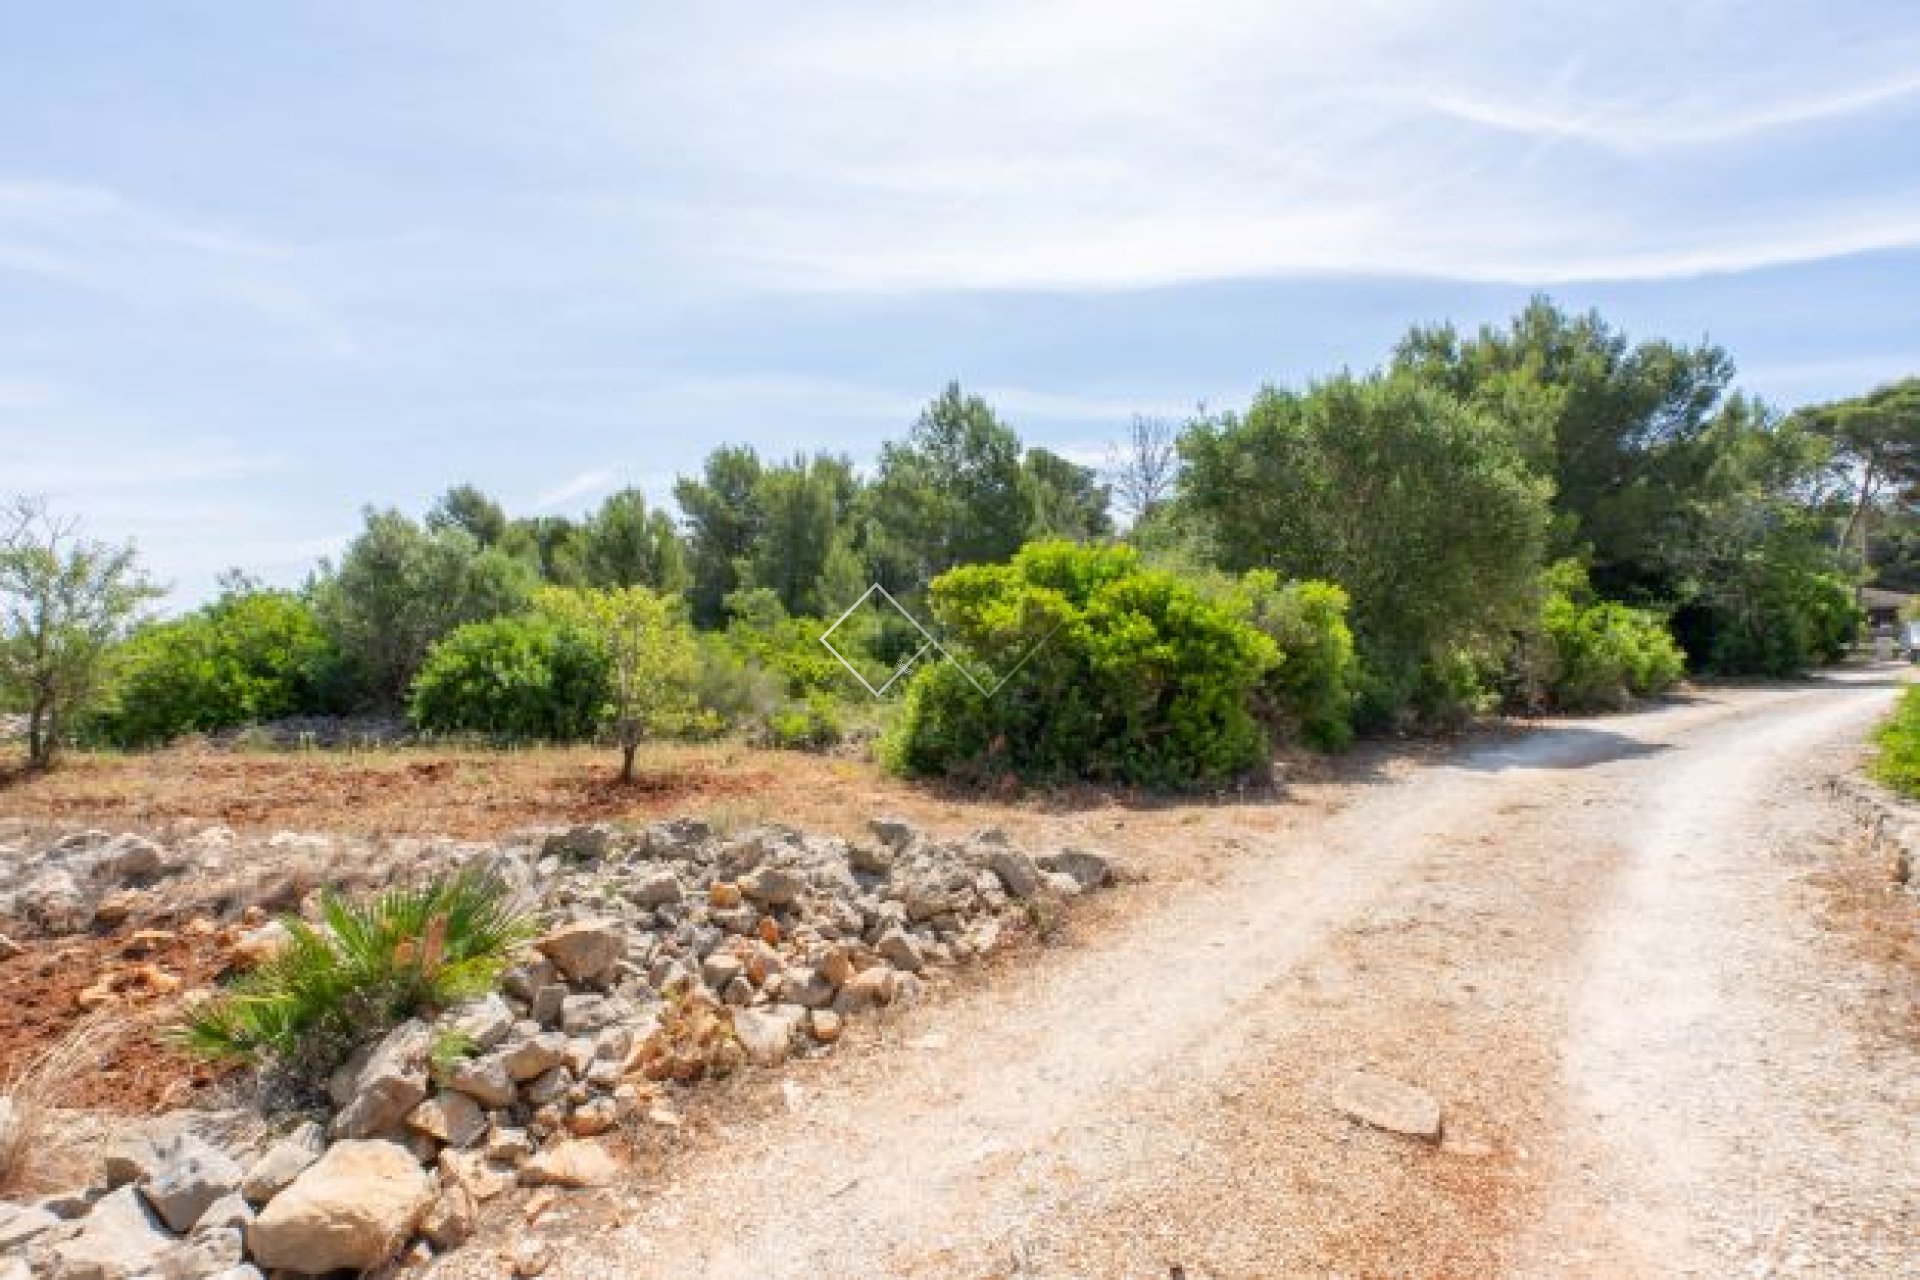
pixel 1597 943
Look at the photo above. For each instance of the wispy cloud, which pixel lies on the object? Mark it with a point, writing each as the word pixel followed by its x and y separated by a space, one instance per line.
pixel 586 484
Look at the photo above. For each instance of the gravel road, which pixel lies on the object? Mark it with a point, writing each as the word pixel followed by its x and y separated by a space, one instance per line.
pixel 1596 943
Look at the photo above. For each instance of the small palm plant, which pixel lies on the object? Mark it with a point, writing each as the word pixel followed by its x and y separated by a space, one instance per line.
pixel 367 966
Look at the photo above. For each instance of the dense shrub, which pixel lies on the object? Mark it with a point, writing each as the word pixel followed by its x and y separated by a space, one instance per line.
pixel 1596 654
pixel 1897 761
pixel 806 724
pixel 366 967
pixel 249 656
pixel 1779 622
pixel 1110 672
pixel 1308 694
pixel 526 676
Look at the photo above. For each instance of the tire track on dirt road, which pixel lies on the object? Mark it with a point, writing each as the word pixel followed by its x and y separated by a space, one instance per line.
pixel 1154 1097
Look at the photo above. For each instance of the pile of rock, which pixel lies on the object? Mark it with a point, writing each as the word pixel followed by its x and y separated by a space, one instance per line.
pixel 673 953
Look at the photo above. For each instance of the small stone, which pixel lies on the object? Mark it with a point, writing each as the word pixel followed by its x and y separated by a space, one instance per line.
pixel 194 1175
pixel 451 1117
pixel 835 965
pixel 720 968
pixel 547 1002
pixel 899 949
pixel 451 1220
pixel 282 1163
pixel 536 1055
pixel 580 1014
pixel 1089 870
pixel 392 1082
pixel 9 948
pixel 807 988
pixel 869 989
pixel 824 1024
pixel 772 886
pixel 723 894
pixel 656 889
pixel 738 992
pixel 595 1116
pixel 576 1162
pixel 530 1257
pixel 120 1238
pixel 1016 871
pixel 894 833
pixel 766 1036
pixel 550 1086
pixel 485 1022
pixel 585 950
pixel 486 1080
pixel 228 1211
pixel 509 1146
pixel 1389 1104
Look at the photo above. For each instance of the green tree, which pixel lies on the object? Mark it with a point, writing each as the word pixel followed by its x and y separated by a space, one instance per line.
pixel 1068 500
pixel 65 602
pixel 1622 428
pixel 466 507
pixel 952 493
pixel 626 545
pixel 553 546
pixel 1422 508
pixel 648 650
pixel 1876 440
pixel 399 588
pixel 723 522
pixel 802 524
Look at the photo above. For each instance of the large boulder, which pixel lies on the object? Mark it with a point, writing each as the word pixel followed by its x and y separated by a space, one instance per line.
pixel 120 1239
pixel 585 950
pixel 351 1210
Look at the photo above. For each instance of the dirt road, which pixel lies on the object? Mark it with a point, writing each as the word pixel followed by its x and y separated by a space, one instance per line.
pixel 1597 944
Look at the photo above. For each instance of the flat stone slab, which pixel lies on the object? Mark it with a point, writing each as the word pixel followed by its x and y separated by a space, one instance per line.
pixel 1389 1104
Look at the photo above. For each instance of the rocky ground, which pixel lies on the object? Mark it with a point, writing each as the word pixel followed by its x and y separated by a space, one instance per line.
pixel 673 955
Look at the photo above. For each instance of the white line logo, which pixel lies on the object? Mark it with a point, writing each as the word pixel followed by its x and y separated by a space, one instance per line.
pixel 986 691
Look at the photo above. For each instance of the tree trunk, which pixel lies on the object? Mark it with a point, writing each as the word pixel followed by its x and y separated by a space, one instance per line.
pixel 627 752
pixel 43 733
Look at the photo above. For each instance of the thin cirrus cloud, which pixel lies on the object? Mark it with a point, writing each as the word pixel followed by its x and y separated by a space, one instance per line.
pixel 1131 145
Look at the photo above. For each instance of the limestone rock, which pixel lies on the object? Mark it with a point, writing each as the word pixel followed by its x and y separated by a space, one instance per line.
pixel 352 1209
pixel 576 1162
pixel 1389 1104
pixel 585 950
pixel 193 1176
pixel 120 1239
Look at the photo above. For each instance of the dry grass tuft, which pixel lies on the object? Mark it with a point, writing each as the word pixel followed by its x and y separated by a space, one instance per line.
pixel 30 1144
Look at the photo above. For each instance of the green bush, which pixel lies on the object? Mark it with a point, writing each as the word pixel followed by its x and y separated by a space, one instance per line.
pixel 1897 760
pixel 1598 654
pixel 1779 621
pixel 247 657
pixel 524 676
pixel 812 723
pixel 1111 672
pixel 1308 695
pixel 365 968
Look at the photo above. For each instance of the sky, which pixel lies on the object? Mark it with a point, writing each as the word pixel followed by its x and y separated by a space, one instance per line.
pixel 262 265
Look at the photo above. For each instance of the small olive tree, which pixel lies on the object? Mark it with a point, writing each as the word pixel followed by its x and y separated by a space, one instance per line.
pixel 650 657
pixel 65 602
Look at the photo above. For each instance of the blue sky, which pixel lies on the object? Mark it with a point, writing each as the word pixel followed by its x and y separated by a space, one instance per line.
pixel 261 264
